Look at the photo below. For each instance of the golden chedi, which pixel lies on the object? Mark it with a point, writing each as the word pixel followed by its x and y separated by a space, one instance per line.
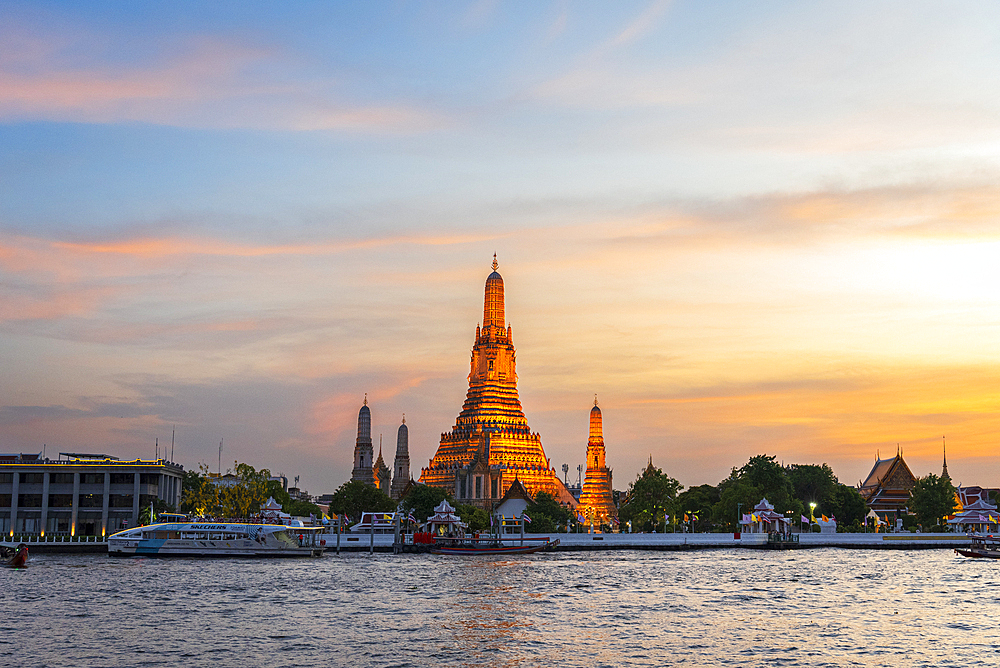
pixel 597 505
pixel 491 443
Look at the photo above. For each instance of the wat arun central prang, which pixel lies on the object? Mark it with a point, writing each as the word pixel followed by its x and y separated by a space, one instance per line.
pixel 491 443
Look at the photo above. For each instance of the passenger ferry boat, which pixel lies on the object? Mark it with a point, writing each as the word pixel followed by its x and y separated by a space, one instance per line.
pixel 179 537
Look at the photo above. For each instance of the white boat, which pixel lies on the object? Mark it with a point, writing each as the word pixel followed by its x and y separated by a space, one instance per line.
pixel 216 539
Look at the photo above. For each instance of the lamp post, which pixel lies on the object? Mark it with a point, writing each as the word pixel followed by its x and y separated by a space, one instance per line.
pixel 812 514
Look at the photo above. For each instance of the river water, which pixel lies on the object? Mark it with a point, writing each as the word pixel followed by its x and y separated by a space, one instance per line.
pixel 821 607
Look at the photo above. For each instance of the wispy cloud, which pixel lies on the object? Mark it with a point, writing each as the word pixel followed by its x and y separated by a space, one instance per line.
pixel 201 81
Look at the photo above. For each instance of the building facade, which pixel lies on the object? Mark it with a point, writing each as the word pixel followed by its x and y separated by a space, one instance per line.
pixel 491 443
pixel 597 504
pixel 81 494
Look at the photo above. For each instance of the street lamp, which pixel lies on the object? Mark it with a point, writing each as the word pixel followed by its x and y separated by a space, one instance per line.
pixel 812 513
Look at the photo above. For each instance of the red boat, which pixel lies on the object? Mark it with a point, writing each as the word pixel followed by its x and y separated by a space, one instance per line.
pixel 19 558
pixel 983 547
pixel 454 546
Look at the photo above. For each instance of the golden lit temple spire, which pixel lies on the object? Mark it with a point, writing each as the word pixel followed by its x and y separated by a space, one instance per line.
pixel 493 308
pixel 491 443
pixel 596 498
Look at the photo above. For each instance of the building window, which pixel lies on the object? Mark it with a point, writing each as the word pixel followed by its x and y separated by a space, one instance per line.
pixel 493 488
pixel 149 479
pixel 479 486
pixel 6 478
pixel 92 479
pixel 91 500
pixel 29 500
pixel 61 478
pixel 60 500
pixel 31 478
pixel 122 478
pixel 120 501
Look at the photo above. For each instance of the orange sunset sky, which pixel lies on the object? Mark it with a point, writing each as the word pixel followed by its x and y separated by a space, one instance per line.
pixel 746 228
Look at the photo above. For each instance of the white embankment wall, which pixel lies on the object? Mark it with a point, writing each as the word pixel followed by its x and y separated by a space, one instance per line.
pixel 678 541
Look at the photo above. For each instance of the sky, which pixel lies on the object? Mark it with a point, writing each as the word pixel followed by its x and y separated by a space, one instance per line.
pixel 748 228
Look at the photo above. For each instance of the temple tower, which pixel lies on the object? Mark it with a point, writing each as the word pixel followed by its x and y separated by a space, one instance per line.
pixel 491 443
pixel 401 466
pixel 944 461
pixel 596 501
pixel 380 472
pixel 363 454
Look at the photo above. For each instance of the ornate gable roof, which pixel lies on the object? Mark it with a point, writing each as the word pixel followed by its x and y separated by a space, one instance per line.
pixel 889 473
pixel 516 491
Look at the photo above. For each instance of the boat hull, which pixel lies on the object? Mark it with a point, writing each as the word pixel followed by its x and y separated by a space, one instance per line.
pixel 979 554
pixel 477 550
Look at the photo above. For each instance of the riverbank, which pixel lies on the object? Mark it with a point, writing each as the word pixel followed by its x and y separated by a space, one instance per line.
pixel 582 542
pixel 576 542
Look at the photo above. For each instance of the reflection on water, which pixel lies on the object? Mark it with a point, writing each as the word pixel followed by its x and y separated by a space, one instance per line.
pixel 716 607
pixel 488 620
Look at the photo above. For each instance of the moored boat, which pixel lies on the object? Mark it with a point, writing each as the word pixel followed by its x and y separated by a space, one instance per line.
pixel 491 545
pixel 982 547
pixel 216 539
pixel 15 557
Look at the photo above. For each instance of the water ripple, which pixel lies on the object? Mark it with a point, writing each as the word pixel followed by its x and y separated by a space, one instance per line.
pixel 719 607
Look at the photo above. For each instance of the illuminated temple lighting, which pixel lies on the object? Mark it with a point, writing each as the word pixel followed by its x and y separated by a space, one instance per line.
pixel 491 443
pixel 596 502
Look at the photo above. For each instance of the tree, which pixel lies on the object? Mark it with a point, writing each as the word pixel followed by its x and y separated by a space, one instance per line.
pixel 932 498
pixel 355 497
pixel 546 514
pixel 477 519
pixel 247 495
pixel 760 478
pixel 818 484
pixel 198 495
pixel 652 495
pixel 699 499
pixel 848 507
pixel 814 484
pixel 737 497
pixel 421 500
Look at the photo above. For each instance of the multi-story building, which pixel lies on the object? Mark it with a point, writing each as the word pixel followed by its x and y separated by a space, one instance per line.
pixel 81 494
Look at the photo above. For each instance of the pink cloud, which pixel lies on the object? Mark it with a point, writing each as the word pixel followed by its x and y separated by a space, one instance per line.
pixel 207 82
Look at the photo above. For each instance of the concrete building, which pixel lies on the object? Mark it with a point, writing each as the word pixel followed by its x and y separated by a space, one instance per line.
pixel 81 494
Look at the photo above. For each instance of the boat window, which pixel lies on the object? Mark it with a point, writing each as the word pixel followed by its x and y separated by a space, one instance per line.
pixel 215 536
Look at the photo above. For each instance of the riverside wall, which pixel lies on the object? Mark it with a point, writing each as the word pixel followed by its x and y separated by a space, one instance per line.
pixel 569 542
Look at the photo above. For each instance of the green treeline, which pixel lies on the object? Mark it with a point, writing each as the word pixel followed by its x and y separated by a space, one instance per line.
pixel 240 496
pixel 654 495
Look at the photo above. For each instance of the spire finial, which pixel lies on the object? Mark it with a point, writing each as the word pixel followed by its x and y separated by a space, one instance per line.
pixel 495 265
pixel 366 398
pixel 404 418
pixel 595 399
